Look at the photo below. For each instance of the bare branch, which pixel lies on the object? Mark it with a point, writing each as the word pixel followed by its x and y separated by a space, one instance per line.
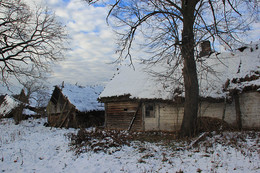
pixel 29 41
pixel 231 5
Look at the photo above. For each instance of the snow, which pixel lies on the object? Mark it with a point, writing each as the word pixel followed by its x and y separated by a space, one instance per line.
pixel 30 147
pixel 8 105
pixel 84 97
pixel 28 112
pixel 213 72
pixel 138 83
pixel 230 66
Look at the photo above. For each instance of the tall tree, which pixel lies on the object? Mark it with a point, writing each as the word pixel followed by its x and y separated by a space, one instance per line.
pixel 174 28
pixel 30 41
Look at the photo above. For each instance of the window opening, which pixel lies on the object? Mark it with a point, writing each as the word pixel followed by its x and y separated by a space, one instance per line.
pixel 149 110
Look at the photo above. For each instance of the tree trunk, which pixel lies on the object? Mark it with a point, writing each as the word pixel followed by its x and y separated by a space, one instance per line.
pixel 189 122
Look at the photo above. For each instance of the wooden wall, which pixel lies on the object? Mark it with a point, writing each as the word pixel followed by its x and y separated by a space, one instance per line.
pixel 169 116
pixel 120 114
pixel 61 113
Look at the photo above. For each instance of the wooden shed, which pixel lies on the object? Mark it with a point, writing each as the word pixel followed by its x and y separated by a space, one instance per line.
pixel 147 98
pixel 75 106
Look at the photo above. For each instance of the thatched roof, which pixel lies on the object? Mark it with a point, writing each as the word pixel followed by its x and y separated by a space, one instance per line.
pixel 218 75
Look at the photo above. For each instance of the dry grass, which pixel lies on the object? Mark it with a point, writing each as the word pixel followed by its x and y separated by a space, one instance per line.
pixel 109 141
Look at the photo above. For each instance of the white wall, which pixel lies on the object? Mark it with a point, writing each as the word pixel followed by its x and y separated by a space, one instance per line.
pixel 250 109
pixel 169 117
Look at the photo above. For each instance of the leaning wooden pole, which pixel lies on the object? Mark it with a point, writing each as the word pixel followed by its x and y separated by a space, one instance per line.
pixel 134 117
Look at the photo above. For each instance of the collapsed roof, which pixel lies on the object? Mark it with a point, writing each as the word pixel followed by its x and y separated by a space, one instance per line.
pixel 83 98
pixel 8 104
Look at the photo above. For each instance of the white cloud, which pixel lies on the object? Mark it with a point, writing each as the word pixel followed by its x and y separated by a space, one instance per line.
pixel 92 44
pixel 254 33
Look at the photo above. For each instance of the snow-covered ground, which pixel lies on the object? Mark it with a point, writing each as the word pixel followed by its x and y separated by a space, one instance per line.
pixel 30 147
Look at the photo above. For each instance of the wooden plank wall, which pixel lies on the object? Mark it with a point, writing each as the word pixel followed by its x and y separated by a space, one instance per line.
pixel 62 112
pixel 169 116
pixel 120 114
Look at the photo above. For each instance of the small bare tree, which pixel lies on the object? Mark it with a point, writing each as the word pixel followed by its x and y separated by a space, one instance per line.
pixel 174 28
pixel 37 95
pixel 30 41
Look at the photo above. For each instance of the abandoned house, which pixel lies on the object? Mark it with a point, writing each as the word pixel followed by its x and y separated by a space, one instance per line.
pixel 8 104
pixel 151 97
pixel 75 106
pixel 14 106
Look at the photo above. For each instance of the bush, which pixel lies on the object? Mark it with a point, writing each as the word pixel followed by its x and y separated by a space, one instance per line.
pixel 98 140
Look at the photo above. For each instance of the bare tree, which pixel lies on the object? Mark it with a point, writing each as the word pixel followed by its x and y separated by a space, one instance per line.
pixel 37 95
pixel 173 29
pixel 30 41
pixel 34 86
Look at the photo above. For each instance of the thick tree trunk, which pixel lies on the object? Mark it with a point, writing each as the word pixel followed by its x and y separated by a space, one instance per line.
pixel 189 123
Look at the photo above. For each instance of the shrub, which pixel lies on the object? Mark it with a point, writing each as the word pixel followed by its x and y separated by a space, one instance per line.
pixel 98 140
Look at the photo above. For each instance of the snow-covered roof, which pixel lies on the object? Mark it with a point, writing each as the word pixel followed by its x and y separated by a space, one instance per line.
pixel 137 83
pixel 84 98
pixel 240 69
pixel 8 104
pixel 213 72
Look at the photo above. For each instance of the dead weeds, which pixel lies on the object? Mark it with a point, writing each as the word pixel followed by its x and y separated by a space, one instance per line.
pixel 109 141
pixel 98 140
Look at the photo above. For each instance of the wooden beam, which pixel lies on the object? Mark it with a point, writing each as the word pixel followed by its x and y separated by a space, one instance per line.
pixel 134 117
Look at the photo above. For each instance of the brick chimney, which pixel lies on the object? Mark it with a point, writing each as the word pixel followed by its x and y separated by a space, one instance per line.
pixel 205 48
